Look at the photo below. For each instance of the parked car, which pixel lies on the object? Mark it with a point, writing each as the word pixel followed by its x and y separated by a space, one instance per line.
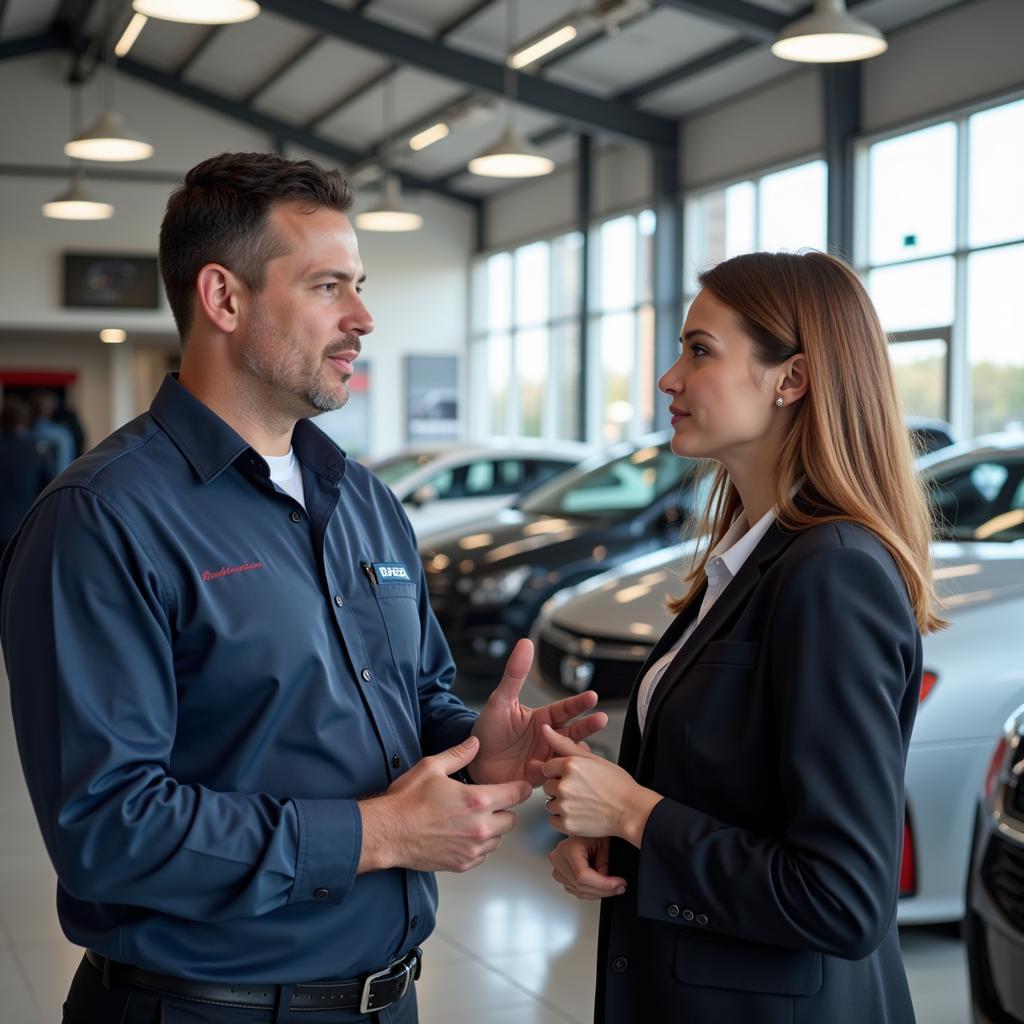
pixel 929 435
pixel 994 926
pixel 597 636
pixel 488 580
pixel 442 485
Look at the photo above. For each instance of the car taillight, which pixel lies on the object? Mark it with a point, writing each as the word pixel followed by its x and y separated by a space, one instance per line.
pixel 908 867
pixel 995 767
pixel 928 683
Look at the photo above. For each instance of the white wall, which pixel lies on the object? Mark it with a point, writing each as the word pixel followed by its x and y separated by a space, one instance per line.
pixel 418 284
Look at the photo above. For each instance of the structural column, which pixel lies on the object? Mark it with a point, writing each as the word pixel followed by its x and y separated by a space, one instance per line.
pixel 584 210
pixel 842 86
pixel 668 269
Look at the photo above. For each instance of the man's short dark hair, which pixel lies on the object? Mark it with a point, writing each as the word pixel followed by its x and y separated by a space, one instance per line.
pixel 219 215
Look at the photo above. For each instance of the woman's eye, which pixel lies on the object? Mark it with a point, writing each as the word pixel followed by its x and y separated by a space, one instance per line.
pixel 698 350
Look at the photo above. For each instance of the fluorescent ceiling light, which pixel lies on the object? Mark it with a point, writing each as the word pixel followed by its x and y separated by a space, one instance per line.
pixel 109 139
pixel 829 35
pixel 511 157
pixel 540 47
pixel 130 34
pixel 113 335
pixel 76 204
pixel 199 12
pixel 427 137
pixel 388 213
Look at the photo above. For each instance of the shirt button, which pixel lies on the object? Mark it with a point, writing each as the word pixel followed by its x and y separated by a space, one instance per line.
pixel 339 600
pixel 367 675
pixel 619 964
pixel 412 924
pixel 672 910
pixel 321 894
pixel 295 516
pixel 702 919
pixel 396 761
pixel 687 915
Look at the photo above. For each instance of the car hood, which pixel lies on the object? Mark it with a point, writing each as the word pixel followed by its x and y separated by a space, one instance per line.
pixel 510 537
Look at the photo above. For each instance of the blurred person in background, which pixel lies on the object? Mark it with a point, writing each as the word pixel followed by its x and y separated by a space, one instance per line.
pixel 43 406
pixel 25 466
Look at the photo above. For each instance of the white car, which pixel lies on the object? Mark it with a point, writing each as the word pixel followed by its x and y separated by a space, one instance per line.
pixel 445 485
pixel 596 636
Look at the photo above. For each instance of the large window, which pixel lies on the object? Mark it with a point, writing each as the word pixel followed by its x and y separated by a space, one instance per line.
pixel 943 258
pixel 782 210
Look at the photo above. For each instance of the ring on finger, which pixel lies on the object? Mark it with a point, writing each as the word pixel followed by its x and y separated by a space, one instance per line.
pixel 547 801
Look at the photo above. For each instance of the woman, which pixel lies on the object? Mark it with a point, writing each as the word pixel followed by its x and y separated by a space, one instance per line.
pixel 747 846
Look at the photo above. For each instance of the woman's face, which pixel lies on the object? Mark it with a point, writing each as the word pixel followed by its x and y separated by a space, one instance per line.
pixel 722 402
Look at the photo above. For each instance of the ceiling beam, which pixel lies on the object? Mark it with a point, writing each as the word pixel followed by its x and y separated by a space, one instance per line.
pixel 49 40
pixel 273 126
pixel 3 11
pixel 382 76
pixel 571 104
pixel 751 20
pixel 199 49
pixel 283 68
pixel 96 172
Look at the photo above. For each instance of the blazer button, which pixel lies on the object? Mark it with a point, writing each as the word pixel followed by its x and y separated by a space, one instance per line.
pixel 687 915
pixel 701 919
pixel 672 910
pixel 296 516
pixel 619 964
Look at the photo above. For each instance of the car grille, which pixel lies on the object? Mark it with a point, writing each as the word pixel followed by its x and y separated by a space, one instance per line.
pixel 1003 874
pixel 1014 791
pixel 574 662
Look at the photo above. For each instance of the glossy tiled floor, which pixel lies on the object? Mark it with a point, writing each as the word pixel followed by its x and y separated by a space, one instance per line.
pixel 510 947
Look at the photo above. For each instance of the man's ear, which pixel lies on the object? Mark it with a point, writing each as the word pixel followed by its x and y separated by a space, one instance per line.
pixel 217 296
pixel 794 381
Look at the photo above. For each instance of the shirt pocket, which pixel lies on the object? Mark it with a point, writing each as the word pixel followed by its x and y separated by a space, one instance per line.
pixel 399 612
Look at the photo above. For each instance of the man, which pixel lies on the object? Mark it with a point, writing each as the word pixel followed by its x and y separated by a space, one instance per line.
pixel 46 428
pixel 24 466
pixel 231 696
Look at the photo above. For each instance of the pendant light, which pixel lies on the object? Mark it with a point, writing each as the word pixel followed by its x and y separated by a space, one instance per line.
pixel 74 203
pixel 109 139
pixel 388 213
pixel 511 156
pixel 199 12
pixel 828 35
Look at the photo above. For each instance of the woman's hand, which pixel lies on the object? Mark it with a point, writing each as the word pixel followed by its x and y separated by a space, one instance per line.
pixel 581 867
pixel 591 796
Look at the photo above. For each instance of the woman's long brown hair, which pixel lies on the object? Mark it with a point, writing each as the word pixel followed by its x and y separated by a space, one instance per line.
pixel 849 446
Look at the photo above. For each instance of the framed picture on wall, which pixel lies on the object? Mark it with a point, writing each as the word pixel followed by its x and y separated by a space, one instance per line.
pixel 110 281
pixel 432 398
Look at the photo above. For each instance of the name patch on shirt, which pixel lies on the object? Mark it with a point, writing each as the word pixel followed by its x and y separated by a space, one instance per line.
pixel 390 572
pixel 229 570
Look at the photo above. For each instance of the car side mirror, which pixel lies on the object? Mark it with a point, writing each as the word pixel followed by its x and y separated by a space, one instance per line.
pixel 422 496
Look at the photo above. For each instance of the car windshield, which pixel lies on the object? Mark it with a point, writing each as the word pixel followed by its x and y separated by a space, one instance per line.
pixel 979 501
pixel 391 470
pixel 614 490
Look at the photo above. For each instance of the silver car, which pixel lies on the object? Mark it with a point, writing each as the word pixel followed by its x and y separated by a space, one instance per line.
pixel 597 635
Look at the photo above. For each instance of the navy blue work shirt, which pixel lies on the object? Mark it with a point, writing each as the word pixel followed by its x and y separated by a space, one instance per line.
pixel 205 677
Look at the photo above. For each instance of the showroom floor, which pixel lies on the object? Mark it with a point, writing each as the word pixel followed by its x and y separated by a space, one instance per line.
pixel 510 947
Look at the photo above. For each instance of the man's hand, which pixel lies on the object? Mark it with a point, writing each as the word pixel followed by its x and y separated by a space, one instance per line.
pixel 512 745
pixel 592 797
pixel 428 822
pixel 581 866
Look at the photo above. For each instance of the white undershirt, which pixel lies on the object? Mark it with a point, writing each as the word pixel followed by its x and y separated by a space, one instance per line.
pixel 724 562
pixel 286 475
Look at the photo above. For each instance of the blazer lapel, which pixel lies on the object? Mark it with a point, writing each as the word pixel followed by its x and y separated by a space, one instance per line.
pixel 774 542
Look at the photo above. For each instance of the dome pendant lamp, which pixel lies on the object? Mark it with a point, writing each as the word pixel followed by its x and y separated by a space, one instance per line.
pixel 199 12
pixel 829 35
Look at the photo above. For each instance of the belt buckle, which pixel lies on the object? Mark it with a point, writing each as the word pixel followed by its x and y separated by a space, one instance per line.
pixel 407 980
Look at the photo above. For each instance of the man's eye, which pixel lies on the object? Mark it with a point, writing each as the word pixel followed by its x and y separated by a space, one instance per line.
pixel 330 287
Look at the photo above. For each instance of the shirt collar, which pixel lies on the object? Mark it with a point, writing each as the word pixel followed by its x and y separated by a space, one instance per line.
pixel 729 554
pixel 210 445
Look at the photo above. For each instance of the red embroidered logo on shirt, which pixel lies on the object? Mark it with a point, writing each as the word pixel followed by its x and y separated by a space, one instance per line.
pixel 230 570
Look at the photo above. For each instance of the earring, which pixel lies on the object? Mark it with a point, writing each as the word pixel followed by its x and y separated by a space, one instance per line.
pixel 779 403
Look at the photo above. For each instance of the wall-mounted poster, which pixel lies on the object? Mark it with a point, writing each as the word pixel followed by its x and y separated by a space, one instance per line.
pixel 349 427
pixel 111 281
pixel 432 396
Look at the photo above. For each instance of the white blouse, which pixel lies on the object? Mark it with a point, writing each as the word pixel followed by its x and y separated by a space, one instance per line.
pixel 724 562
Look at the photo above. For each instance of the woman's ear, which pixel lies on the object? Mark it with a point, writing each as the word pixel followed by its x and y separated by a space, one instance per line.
pixel 217 297
pixel 794 382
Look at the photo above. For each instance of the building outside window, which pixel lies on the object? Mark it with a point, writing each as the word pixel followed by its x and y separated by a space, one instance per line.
pixel 941 247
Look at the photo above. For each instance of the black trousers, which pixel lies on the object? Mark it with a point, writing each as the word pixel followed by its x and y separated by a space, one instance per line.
pixel 89 1002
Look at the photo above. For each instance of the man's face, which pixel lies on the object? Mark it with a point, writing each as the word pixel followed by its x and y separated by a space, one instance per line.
pixel 302 331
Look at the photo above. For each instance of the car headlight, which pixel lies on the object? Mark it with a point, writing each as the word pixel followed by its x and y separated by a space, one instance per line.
pixel 498 588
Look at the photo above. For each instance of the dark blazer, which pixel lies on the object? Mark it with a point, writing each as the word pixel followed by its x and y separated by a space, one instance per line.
pixel 765 889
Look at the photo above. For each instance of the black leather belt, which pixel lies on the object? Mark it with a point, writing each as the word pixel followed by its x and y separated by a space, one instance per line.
pixel 368 994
